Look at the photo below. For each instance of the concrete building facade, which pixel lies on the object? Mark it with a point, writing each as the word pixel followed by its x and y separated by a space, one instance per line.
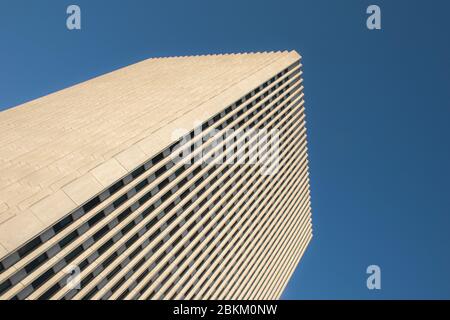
pixel 173 178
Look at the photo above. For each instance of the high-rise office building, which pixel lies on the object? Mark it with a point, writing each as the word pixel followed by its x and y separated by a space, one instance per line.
pixel 173 178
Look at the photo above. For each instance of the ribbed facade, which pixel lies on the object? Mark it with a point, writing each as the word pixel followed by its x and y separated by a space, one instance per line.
pixel 220 212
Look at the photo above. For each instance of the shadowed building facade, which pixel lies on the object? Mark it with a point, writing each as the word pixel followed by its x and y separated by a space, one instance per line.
pixel 173 178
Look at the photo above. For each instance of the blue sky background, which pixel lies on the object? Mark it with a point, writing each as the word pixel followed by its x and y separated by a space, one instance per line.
pixel 377 102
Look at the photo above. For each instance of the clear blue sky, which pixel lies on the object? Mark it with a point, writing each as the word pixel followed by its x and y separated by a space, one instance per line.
pixel 378 111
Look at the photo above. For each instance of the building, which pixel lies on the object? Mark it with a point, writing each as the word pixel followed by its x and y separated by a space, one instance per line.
pixel 173 178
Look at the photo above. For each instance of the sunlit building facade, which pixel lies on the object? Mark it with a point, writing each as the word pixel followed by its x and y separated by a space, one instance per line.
pixel 173 178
